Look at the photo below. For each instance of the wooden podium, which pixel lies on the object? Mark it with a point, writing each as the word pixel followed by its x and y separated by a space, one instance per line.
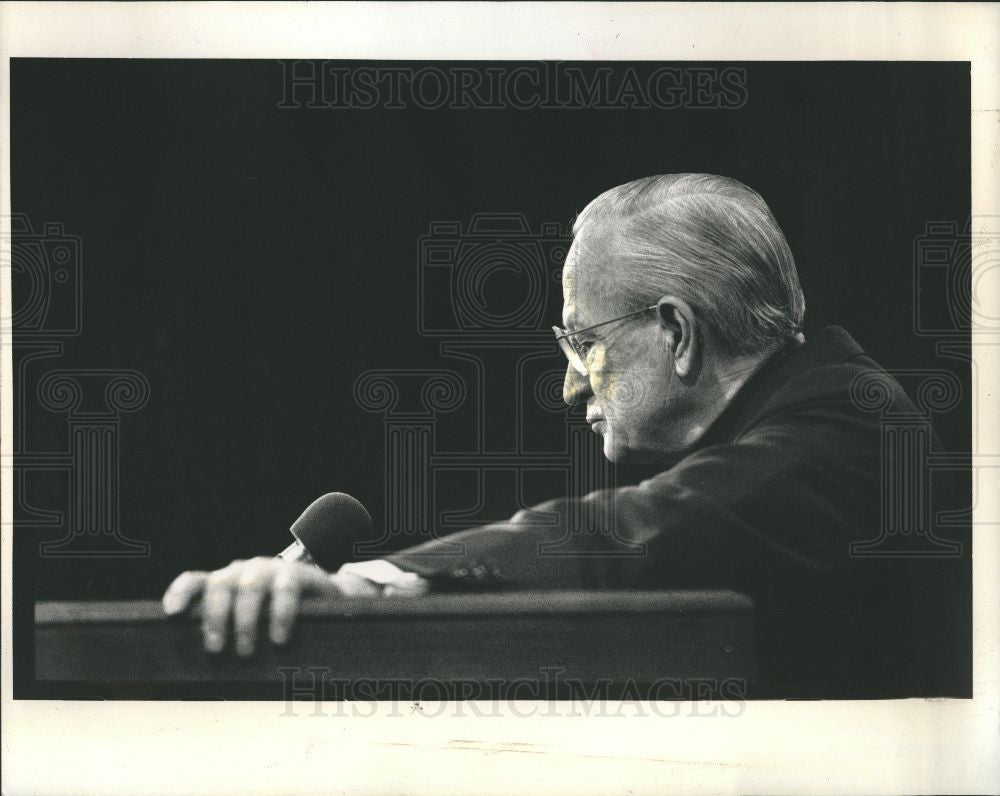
pixel 663 645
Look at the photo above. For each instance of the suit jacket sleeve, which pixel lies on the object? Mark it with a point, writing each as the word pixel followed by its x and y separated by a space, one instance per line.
pixel 788 493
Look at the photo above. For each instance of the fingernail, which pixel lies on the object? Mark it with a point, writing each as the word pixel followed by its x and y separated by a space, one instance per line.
pixel 214 641
pixel 171 603
pixel 244 647
pixel 279 635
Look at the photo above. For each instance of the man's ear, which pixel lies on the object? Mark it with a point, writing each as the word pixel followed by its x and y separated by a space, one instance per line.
pixel 678 320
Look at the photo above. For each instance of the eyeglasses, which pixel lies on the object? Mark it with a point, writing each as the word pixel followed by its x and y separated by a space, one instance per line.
pixel 574 350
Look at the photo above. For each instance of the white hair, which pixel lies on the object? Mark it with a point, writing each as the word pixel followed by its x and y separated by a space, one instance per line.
pixel 711 241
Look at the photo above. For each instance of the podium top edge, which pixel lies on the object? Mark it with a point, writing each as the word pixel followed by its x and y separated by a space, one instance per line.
pixel 569 603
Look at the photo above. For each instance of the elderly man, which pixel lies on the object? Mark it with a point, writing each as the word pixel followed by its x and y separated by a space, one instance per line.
pixel 682 314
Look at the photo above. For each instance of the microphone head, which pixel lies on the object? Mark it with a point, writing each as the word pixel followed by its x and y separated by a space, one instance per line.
pixel 329 528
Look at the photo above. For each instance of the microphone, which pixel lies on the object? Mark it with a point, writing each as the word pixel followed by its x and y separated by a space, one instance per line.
pixel 327 530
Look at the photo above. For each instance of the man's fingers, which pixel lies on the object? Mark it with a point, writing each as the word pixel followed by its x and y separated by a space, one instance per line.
pixel 237 593
pixel 184 589
pixel 290 584
pixel 251 587
pixel 216 605
pixel 285 593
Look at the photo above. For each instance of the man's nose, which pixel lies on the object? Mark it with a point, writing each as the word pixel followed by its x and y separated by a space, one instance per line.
pixel 575 386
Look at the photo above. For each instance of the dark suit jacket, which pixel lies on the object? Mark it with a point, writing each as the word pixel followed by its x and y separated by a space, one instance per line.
pixel 768 504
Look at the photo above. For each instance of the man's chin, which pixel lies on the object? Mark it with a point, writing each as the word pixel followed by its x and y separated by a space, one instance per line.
pixel 613 455
pixel 616 452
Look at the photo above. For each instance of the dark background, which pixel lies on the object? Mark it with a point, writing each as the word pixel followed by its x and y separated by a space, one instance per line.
pixel 252 261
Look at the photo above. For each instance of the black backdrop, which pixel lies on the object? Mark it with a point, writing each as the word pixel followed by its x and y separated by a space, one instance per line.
pixel 250 261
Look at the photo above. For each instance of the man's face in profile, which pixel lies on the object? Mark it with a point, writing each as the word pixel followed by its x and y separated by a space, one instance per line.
pixel 630 367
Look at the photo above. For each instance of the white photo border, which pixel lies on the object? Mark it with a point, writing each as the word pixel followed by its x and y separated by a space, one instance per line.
pixel 891 746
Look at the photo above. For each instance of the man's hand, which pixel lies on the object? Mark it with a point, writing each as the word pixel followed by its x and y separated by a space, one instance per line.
pixel 242 589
